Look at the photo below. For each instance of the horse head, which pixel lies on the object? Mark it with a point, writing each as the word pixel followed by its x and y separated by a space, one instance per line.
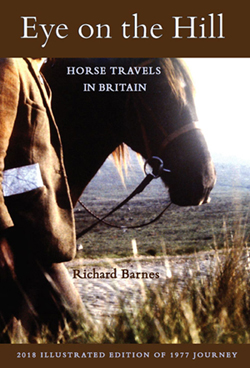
pixel 165 117
pixel 152 120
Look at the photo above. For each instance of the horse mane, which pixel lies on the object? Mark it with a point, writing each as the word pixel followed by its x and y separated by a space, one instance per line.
pixel 178 77
pixel 121 156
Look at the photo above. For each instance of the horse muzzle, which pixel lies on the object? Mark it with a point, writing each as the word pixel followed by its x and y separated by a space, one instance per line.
pixel 190 196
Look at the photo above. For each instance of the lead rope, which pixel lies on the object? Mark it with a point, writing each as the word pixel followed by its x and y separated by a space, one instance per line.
pixel 145 182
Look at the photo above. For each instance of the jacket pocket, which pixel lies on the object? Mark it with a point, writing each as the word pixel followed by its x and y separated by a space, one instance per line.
pixel 25 202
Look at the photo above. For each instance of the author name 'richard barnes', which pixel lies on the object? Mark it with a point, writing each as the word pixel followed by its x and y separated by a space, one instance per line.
pixel 123 273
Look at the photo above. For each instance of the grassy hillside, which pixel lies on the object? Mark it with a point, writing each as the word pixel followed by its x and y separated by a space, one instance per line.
pixel 180 230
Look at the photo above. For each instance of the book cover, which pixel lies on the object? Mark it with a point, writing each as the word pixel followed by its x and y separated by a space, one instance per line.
pixel 162 262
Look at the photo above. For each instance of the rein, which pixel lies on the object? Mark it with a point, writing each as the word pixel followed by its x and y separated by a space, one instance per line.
pixel 145 182
pixel 148 178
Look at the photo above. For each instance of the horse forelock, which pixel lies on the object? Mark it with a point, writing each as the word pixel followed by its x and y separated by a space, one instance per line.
pixel 179 78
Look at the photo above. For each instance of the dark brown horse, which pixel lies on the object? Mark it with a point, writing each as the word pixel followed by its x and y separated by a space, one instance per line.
pixel 93 124
pixel 99 104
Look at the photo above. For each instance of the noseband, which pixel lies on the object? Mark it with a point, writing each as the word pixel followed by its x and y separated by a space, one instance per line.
pixel 177 133
pixel 154 174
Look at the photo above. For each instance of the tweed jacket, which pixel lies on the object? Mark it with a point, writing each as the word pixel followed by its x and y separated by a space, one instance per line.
pixel 43 217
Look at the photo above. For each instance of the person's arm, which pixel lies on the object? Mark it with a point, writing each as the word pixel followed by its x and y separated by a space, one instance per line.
pixel 9 98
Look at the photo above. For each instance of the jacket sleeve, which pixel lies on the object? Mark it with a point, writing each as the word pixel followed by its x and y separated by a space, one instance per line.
pixel 9 99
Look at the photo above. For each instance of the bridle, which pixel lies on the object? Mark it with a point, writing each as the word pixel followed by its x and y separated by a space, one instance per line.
pixel 154 174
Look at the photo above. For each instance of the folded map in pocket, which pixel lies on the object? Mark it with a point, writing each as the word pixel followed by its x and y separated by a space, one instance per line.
pixel 21 179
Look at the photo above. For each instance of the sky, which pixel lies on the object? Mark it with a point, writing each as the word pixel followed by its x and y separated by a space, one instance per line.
pixel 223 103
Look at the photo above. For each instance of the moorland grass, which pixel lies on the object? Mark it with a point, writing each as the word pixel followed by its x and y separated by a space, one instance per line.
pixel 205 308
